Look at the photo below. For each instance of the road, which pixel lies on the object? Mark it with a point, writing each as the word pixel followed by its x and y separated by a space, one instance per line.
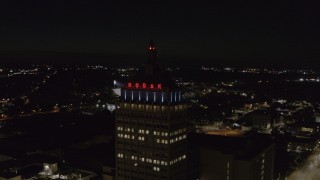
pixel 309 170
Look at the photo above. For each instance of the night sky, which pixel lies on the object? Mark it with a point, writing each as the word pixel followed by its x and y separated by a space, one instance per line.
pixel 257 33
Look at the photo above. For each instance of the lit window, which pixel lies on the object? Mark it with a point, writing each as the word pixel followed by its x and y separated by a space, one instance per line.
pixel 120 155
pixel 154 168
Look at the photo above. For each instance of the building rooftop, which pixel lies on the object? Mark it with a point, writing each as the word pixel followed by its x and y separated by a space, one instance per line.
pixel 8 175
pixel 243 147
pixel 151 72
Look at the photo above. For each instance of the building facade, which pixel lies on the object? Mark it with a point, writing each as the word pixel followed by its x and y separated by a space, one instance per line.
pixel 231 158
pixel 151 126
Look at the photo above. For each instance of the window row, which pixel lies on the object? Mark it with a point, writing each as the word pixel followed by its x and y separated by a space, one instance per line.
pixel 146 131
pixel 178 131
pixel 128 136
pixel 174 140
pixel 158 133
pixel 152 108
pixel 177 159
pixel 142 159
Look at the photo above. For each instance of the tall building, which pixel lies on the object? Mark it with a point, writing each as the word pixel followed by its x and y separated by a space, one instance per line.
pixel 151 126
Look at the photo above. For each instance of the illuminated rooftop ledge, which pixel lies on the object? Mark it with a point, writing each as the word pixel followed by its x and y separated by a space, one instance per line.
pixel 226 132
pixel 153 107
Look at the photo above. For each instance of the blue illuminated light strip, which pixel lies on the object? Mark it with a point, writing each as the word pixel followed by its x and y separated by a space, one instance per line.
pixel 132 95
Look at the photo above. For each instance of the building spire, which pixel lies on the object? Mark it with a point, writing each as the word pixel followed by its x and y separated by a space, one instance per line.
pixel 152 53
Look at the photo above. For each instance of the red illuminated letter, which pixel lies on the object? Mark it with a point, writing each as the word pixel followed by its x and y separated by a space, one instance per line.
pixel 137 85
pixel 144 85
pixel 129 85
pixel 159 86
pixel 151 86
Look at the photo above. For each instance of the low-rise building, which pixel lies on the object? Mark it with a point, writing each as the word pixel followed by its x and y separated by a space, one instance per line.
pixel 249 157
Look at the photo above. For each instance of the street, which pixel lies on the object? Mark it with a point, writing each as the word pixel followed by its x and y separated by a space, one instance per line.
pixel 309 170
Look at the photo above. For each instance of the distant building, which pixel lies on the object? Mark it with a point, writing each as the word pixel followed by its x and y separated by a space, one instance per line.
pixel 151 126
pixel 9 176
pixel 4 158
pixel 311 128
pixel 231 158
pixel 108 173
pixel 301 144
pixel 260 119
